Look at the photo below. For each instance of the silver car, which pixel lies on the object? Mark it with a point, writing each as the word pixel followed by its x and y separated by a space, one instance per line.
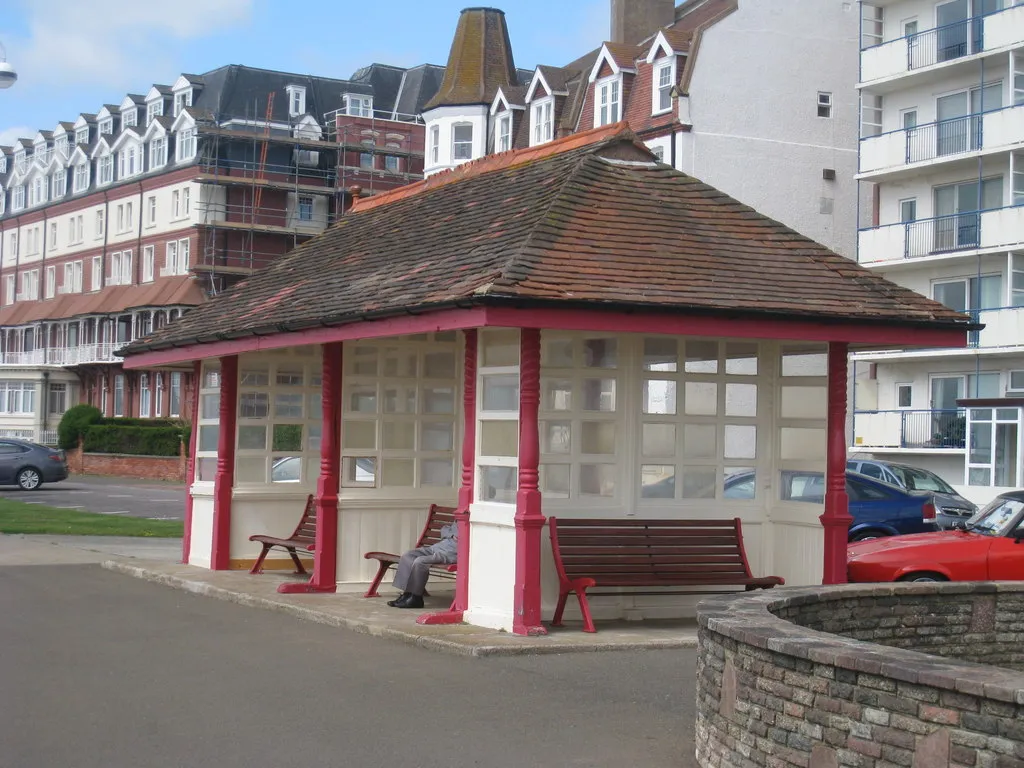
pixel 950 506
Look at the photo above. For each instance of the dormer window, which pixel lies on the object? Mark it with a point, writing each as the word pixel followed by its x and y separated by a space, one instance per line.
pixel 296 100
pixel 130 162
pixel 80 182
pixel 186 144
pixel 662 86
pixel 182 100
pixel 106 168
pixel 106 126
pixel 18 198
pixel 20 161
pixel 607 109
pixel 359 106
pixel 129 118
pixel 158 152
pixel 505 133
pixel 37 193
pixel 60 183
pixel 154 109
pixel 61 146
pixel 462 142
pixel 542 122
pixel 82 135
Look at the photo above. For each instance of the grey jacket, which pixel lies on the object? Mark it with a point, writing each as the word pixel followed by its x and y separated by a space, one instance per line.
pixel 449 543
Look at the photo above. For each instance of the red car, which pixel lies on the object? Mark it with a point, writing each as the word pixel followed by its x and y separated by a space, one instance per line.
pixel 988 547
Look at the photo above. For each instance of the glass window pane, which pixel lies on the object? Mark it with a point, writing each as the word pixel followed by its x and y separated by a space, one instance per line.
pixel 741 358
pixel 362 398
pixel 599 395
pixel 597 479
pixel 979 476
pixel 701 357
pixel 661 355
pixel 557 395
pixel 359 435
pixel 437 436
pixel 556 437
pixel 799 443
pixel 740 399
pixel 701 398
pixel 399 363
pixel 251 469
pixel 397 473
pixel 438 400
pixel 211 406
pixel 439 365
pixel 286 437
pixel 804 402
pixel 659 397
pixel 362 470
pixel 206 469
pixel 285 469
pixel 209 434
pixel 600 353
pixel 657 481
pixel 436 473
pixel 290 377
pixel 499 348
pixel 700 482
pixel 288 406
pixel 399 435
pixel 253 405
pixel 659 440
pixel 557 353
pixel 499 438
pixel 501 393
pixel 498 484
pixel 700 441
pixel 597 437
pixel 252 438
pixel 798 361
pixel 313 433
pixel 255 377
pixel 740 441
pixel 739 483
pixel 981 445
pixel 554 480
pixel 400 399
pixel 364 361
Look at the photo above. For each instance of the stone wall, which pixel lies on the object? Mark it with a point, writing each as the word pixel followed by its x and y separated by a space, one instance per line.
pixel 120 465
pixel 829 677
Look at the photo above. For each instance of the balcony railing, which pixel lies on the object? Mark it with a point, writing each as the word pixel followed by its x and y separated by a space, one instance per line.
pixel 941 44
pixel 83 353
pixel 910 429
pixel 995 228
pixel 996 128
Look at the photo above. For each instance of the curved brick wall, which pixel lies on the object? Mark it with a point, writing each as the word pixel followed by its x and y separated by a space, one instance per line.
pixel 926 675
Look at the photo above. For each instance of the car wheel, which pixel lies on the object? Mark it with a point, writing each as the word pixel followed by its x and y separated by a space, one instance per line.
pixel 867 535
pixel 29 479
pixel 924 576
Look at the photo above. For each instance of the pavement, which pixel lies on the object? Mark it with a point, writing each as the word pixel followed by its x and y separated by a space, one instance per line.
pixel 108 496
pixel 157 560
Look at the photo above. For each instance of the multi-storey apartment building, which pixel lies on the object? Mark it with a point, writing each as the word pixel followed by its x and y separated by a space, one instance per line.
pixel 942 92
pixel 721 89
pixel 113 224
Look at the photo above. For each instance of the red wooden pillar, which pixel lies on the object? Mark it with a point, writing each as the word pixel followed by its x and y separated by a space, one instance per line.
pixel 459 605
pixel 529 520
pixel 224 480
pixel 190 471
pixel 836 519
pixel 325 563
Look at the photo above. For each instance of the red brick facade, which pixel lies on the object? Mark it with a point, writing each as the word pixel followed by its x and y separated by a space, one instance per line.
pixel 117 465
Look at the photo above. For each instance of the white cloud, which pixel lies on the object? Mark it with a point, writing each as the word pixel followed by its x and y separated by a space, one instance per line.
pixel 9 135
pixel 103 42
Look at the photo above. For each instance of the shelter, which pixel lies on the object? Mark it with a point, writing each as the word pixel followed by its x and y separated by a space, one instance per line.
pixel 571 329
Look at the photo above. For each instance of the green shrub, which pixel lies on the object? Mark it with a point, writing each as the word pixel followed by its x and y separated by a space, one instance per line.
pixel 186 436
pixel 75 421
pixel 132 440
pixel 124 421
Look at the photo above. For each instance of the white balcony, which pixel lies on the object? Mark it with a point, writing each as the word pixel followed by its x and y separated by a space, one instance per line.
pixel 963 233
pixel 65 356
pixel 915 430
pixel 35 357
pixel 1004 327
pixel 942 46
pixel 922 146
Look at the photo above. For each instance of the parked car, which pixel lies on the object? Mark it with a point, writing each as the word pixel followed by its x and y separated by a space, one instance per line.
pixel 29 465
pixel 951 507
pixel 988 546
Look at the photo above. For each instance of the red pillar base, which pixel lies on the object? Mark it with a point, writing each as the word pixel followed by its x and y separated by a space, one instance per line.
pixel 837 533
pixel 441 617
pixel 526 619
pixel 304 588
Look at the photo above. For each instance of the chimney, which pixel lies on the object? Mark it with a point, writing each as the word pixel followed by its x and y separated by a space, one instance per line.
pixel 633 21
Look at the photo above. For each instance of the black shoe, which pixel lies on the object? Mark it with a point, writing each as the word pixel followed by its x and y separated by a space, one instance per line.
pixel 413 601
pixel 397 602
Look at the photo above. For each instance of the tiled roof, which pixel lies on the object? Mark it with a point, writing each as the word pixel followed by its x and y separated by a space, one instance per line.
pixel 480 60
pixel 556 77
pixel 515 95
pixel 625 55
pixel 585 221
pixel 679 39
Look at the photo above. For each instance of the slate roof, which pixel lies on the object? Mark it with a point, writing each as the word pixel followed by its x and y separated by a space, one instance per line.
pixel 588 221
pixel 479 62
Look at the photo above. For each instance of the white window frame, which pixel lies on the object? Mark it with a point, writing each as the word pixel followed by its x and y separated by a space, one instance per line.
pixel 170 259
pixel 157 152
pixel 105 167
pixel 148 257
pixel 608 101
pixel 904 386
pixel 51 282
pixel 154 109
pixel 151 211
pixel 661 92
pixel 106 126
pixel 296 100
pixel 825 104
pixel 9 290
pixel 158 397
pixel 504 140
pixel 305 204
pixel 435 144
pixel 174 396
pixel 358 105
pixel 129 117
pixel 541 121
pixel 186 144
pixel 128 161
pixel 145 396
pixel 462 144
pixel 18 198
pixel 182 99
pixel 60 184
pixel 80 183
pixel 97 273
pixel 82 135
pixel 119 395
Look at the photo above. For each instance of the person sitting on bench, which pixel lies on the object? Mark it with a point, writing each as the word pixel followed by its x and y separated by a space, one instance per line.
pixel 414 567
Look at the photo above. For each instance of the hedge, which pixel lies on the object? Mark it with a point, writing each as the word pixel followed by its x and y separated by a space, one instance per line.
pixel 75 421
pixel 132 440
pixel 124 421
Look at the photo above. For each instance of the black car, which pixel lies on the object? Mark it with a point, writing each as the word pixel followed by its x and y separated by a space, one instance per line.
pixel 29 465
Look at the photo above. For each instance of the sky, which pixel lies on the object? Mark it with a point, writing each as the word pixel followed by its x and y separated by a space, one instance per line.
pixel 73 56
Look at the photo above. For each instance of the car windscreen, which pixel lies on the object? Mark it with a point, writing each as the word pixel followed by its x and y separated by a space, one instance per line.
pixel 918 480
pixel 996 518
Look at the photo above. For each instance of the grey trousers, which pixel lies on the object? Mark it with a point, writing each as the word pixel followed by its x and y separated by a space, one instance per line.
pixel 414 568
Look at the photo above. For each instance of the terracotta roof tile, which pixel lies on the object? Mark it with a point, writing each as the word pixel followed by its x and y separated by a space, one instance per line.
pixel 624 54
pixel 587 221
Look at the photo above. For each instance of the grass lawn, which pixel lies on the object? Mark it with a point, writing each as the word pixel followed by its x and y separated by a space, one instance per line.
pixel 19 517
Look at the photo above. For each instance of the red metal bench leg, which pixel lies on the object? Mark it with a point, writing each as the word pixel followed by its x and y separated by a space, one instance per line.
pixel 588 620
pixel 372 591
pixel 556 621
pixel 299 569
pixel 257 567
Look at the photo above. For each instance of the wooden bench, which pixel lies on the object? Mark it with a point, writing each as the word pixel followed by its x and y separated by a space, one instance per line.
pixel 437 518
pixel 648 553
pixel 304 537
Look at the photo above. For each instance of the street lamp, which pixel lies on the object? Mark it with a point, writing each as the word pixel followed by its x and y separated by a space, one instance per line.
pixel 7 73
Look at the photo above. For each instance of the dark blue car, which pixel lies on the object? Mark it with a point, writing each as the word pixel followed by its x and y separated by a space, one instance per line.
pixel 878 509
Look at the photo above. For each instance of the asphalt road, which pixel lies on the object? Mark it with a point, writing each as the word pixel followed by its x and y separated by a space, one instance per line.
pixel 108 495
pixel 99 670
